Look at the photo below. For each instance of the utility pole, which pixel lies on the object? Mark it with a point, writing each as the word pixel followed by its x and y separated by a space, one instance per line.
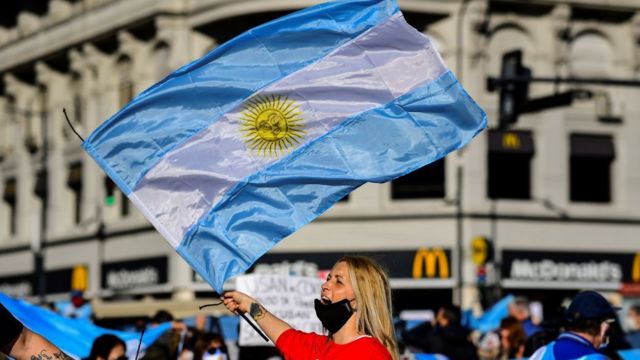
pixel 459 236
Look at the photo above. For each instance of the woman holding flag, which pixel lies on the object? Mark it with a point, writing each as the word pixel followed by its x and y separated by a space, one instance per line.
pixel 354 307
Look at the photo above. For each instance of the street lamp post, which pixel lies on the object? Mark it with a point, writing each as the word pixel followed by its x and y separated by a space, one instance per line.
pixel 459 235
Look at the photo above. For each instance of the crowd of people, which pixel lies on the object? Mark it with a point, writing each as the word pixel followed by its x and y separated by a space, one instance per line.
pixel 589 327
pixel 355 309
pixel 184 343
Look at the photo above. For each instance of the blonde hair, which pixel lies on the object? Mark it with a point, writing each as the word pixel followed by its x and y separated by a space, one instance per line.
pixel 371 288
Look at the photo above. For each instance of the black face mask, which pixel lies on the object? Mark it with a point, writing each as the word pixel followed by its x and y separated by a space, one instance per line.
pixel 333 316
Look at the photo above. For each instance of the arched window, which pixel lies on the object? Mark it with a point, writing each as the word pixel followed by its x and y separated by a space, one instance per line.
pixel 591 55
pixel 504 39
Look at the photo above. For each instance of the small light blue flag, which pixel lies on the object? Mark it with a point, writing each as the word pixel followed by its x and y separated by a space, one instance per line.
pixel 74 336
pixel 490 319
pixel 237 150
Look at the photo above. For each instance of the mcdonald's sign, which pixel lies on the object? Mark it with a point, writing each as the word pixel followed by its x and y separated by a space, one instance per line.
pixel 635 269
pixel 511 140
pixel 427 261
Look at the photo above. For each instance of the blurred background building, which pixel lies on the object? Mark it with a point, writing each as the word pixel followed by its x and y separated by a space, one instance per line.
pixel 543 209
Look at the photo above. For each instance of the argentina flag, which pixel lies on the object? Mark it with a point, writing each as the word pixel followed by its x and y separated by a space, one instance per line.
pixel 233 152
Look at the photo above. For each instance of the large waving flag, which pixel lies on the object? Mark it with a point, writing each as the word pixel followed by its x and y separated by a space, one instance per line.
pixel 235 151
pixel 75 336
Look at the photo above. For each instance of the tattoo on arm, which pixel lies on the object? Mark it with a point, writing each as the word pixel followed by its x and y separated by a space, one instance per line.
pixel 43 355
pixel 256 311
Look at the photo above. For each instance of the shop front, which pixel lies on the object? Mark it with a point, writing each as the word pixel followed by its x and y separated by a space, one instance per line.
pixel 553 277
pixel 139 274
pixel 58 282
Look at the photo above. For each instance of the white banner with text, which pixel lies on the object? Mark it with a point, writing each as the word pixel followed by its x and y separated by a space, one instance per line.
pixel 288 297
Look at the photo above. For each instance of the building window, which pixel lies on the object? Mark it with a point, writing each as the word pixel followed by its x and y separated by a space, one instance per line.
pixel 7 121
pixel 509 164
pixel 74 182
pixel 113 195
pixel 125 88
pixel 76 90
pixel 41 190
pixel 590 168
pixel 9 196
pixel 425 183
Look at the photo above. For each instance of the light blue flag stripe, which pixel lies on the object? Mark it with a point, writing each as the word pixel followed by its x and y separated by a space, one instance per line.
pixel 377 145
pixel 360 75
pixel 164 116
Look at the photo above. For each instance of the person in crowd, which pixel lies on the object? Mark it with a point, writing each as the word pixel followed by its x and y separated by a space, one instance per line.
pixel 588 320
pixel 540 339
pixel 416 338
pixel 20 343
pixel 190 343
pixel 211 347
pixel 354 307
pixel 167 345
pixel 161 316
pixel 519 309
pixel 616 341
pixel 633 326
pixel 512 339
pixel 108 347
pixel 449 337
pixel 489 346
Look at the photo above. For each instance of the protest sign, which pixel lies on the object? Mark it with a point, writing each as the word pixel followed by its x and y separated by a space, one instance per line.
pixel 288 297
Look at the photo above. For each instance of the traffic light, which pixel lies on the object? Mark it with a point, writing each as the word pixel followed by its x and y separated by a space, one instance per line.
pixel 513 94
pixel 110 191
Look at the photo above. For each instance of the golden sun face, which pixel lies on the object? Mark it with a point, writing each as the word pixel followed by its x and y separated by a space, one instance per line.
pixel 272 125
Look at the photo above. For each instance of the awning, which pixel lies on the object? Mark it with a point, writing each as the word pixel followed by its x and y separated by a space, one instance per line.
pixel 147 307
pixel 514 142
pixel 589 145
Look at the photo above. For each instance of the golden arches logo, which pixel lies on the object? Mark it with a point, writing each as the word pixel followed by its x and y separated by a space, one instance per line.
pixel 80 278
pixel 511 141
pixel 635 270
pixel 429 260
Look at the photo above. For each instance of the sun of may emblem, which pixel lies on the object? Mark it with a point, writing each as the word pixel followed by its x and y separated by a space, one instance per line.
pixel 272 125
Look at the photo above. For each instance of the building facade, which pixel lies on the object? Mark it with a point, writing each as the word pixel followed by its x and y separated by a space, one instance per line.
pixel 544 208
